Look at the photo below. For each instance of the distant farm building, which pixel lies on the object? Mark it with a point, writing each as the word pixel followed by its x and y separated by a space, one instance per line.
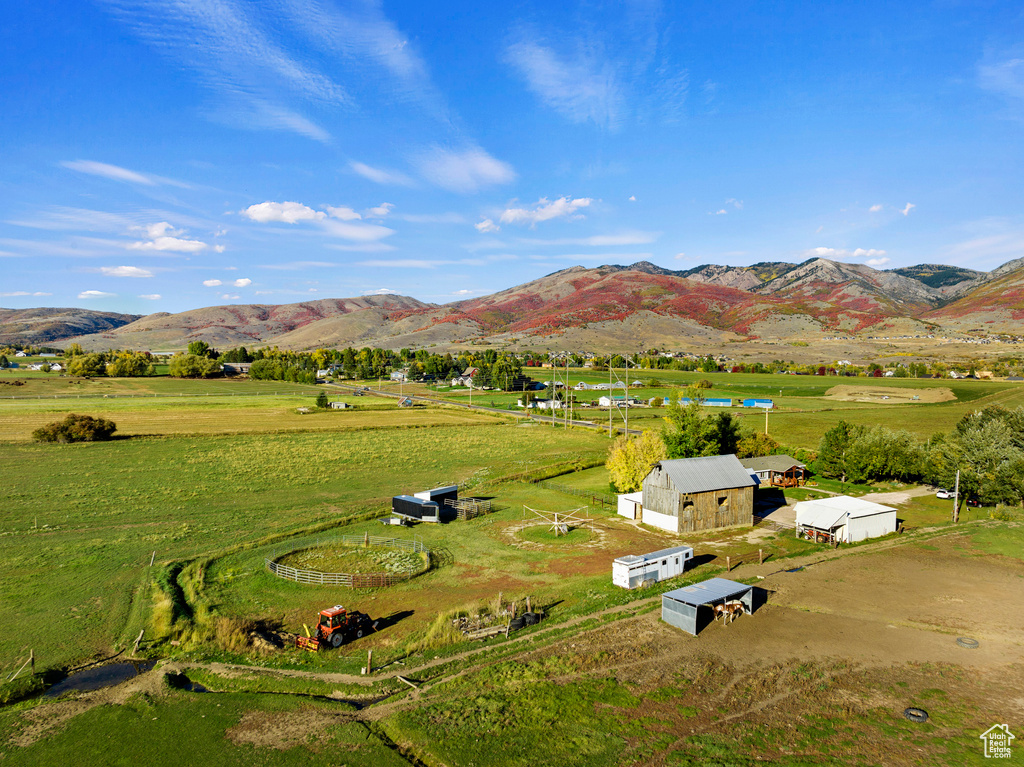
pixel 759 403
pixel 435 505
pixel 340 406
pixel 691 494
pixel 635 570
pixel 236 368
pixel 843 519
pixel 777 470
pixel 718 403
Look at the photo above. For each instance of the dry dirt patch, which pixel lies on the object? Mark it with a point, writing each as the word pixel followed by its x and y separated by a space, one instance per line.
pixel 889 395
pixel 284 730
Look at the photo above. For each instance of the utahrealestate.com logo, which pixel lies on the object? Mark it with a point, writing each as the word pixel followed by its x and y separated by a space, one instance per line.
pixel 997 741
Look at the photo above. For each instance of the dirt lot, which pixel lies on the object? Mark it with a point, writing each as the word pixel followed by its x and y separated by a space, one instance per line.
pixel 893 396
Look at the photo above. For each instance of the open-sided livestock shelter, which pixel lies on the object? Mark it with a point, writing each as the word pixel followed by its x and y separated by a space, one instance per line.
pixel 635 570
pixel 681 608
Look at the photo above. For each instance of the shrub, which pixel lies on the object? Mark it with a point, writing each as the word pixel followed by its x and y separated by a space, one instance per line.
pixel 703 384
pixel 76 428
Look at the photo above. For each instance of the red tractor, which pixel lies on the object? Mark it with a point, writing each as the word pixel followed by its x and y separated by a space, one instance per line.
pixel 336 626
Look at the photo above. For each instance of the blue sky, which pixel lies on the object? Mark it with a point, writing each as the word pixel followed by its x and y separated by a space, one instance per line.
pixel 163 156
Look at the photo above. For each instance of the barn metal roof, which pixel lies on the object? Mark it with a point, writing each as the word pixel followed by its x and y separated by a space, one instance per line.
pixel 713 590
pixel 699 475
pixel 828 513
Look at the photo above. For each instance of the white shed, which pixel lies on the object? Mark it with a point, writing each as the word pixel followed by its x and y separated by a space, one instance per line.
pixel 844 519
pixel 631 505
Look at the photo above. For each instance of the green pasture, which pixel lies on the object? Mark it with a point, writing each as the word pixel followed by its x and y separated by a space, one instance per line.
pixel 243 729
pixel 80 523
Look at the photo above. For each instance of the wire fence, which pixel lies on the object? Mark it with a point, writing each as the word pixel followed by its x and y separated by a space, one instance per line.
pixel 352 580
pixel 166 395
pixel 595 498
pixel 773 524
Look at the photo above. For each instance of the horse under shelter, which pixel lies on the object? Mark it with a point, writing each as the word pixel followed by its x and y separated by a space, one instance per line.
pixel 681 607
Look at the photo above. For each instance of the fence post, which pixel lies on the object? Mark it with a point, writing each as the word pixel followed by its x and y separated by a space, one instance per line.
pixel 728 565
pixel 760 556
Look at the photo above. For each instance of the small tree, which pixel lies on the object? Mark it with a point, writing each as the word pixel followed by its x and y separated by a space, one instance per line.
pixel 632 458
pixel 321 400
pixel 75 428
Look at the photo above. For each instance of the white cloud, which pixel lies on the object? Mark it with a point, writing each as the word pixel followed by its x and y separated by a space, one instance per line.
pixel 230 296
pixel 821 252
pixel 381 211
pixel 738 204
pixel 113 172
pixel 244 282
pixel 381 175
pixel 219 248
pixel 906 210
pixel 877 262
pixel 464 170
pixel 212 283
pixel 151 296
pixel 680 256
pixel 160 229
pixel 283 212
pixel 721 212
pixel 581 89
pixel 343 213
pixel 381 292
pixel 1005 78
pixel 875 208
pixel 632 198
pixel 545 210
pixel 85 294
pixel 171 244
pixel 465 292
pixel 487 226
pixel 15 293
pixel 125 271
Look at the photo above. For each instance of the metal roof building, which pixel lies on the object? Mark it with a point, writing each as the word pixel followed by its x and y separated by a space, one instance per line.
pixel 699 475
pixel 691 494
pixel 844 519
pixel 681 607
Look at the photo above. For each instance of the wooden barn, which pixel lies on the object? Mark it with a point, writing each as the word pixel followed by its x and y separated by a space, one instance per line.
pixel 691 494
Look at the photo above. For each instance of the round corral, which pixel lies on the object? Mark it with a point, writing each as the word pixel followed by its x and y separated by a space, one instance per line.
pixel 356 561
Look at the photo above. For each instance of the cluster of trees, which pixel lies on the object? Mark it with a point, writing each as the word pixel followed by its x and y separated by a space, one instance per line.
pixel 192 366
pixel 115 363
pixel 277 370
pixel 75 428
pixel 689 432
pixel 986 447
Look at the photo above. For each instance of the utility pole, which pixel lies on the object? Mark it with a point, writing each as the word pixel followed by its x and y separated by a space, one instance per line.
pixel 766 420
pixel 956 498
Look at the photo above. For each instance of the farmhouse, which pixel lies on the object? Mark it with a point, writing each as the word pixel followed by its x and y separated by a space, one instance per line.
pixel 777 470
pixel 843 519
pixel 691 494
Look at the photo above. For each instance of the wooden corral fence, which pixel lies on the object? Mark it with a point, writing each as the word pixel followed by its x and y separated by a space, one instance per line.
pixel 758 556
pixel 771 524
pixel 469 508
pixel 353 580
pixel 595 498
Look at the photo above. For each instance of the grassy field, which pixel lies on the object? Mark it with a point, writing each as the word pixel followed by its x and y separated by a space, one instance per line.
pixel 802 412
pixel 81 522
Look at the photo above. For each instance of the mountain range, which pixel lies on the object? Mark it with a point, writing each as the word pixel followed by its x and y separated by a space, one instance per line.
pixel 605 308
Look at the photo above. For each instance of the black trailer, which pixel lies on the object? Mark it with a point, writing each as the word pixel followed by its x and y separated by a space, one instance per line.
pixel 441 496
pixel 410 507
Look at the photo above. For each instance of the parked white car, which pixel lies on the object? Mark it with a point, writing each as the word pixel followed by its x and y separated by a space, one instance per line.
pixel 943 494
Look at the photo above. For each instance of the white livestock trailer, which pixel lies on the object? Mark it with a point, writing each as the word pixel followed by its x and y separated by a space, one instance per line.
pixel 635 570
